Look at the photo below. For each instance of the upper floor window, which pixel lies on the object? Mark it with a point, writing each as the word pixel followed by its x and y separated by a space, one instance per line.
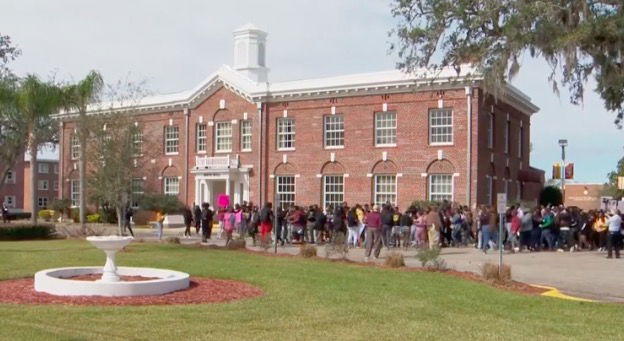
pixel 507 135
pixel 200 137
pixel 44 168
pixel 385 129
pixel 491 131
pixel 137 143
pixel 245 135
pixel 74 147
pixel 10 177
pixel 223 136
pixel 172 139
pixel 286 134
pixel 43 185
pixel 334 131
pixel 137 190
pixel 520 141
pixel 440 126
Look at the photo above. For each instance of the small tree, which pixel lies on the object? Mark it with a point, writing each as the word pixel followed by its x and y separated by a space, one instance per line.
pixel 611 188
pixel 162 203
pixel 551 195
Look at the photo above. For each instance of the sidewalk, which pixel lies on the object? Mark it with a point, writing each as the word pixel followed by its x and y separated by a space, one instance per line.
pixel 586 274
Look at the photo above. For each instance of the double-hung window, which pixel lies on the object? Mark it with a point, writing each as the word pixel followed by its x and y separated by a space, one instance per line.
pixel 334 131
pixel 223 137
pixel 520 141
pixel 285 190
pixel 10 177
pixel 286 134
pixel 42 202
pixel 74 146
pixel 172 139
pixel 440 126
pixel 245 131
pixel 43 185
pixel 137 143
pixel 333 190
pixel 171 185
pixel 44 168
pixel 385 189
pixel 441 187
pixel 385 129
pixel 137 191
pixel 507 136
pixel 74 193
pixel 9 201
pixel 200 137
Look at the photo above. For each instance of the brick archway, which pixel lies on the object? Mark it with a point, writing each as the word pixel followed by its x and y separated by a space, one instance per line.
pixel 443 166
pixel 333 168
pixel 285 169
pixel 387 167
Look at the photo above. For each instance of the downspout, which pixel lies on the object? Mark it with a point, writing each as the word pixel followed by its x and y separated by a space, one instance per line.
pixel 259 173
pixel 469 147
pixel 187 113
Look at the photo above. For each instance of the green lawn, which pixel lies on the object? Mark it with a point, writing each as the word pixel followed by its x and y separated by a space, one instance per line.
pixel 304 300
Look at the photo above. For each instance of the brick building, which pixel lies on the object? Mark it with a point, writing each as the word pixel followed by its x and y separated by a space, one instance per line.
pixel 16 192
pixel 374 137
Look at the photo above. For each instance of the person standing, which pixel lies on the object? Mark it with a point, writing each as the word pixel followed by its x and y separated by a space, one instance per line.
pixel 197 215
pixel 353 225
pixel 601 226
pixel 486 232
pixel 373 233
pixel 319 224
pixel 434 224
pixel 160 219
pixel 188 220
pixel 386 225
pixel 615 235
pixel 127 220
pixel 5 213
pixel 547 226
pixel 526 227
pixel 206 222
pixel 266 222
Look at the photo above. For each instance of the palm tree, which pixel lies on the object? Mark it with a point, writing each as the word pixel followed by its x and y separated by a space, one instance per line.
pixel 36 101
pixel 77 98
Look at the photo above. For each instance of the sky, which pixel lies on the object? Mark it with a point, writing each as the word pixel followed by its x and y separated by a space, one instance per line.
pixel 174 45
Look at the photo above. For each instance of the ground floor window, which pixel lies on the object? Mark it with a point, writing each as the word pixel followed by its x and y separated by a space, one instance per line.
pixel 137 191
pixel 385 189
pixel 9 201
pixel 172 185
pixel 333 190
pixel 441 187
pixel 74 192
pixel 42 202
pixel 285 190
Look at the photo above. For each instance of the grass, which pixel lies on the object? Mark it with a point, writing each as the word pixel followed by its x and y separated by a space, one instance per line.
pixel 305 299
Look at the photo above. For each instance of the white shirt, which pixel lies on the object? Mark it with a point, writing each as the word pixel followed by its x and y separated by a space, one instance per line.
pixel 615 223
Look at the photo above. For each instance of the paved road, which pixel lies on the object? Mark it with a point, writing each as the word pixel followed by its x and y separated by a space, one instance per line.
pixel 584 274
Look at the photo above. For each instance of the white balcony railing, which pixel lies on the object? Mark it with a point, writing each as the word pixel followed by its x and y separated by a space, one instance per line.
pixel 216 162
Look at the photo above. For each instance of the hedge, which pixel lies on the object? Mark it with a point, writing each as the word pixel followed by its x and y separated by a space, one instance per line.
pixel 26 232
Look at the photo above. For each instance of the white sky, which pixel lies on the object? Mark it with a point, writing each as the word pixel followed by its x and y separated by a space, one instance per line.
pixel 176 44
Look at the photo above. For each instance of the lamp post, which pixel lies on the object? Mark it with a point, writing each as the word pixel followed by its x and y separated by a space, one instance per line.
pixel 563 143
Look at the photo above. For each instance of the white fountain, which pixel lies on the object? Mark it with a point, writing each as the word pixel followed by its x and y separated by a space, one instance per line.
pixel 58 281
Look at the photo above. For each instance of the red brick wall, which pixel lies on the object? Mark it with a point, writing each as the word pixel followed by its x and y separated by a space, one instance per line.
pixel 51 177
pixel 15 189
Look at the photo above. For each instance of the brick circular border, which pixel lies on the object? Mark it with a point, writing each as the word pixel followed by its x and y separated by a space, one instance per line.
pixel 201 291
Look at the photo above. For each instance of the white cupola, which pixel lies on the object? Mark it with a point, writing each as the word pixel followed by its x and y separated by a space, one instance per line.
pixel 250 53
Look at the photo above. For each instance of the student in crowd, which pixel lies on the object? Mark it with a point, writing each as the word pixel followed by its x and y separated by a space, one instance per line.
pixel 160 219
pixel 266 222
pixel 433 227
pixel 197 213
pixel 526 228
pixel 600 226
pixel 128 220
pixel 188 221
pixel 386 225
pixel 614 241
pixel 547 226
pixel 353 225
pixel 373 233
pixel 206 221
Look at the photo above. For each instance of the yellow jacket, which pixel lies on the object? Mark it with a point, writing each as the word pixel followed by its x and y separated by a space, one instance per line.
pixel 160 217
pixel 600 225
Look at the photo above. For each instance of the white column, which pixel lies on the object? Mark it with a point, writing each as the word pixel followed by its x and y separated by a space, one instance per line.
pixel 228 189
pixel 197 192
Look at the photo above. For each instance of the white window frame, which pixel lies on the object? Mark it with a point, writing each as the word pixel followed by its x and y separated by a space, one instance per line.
pixel 137 143
pixel 43 168
pixel 74 143
pixel 491 131
pixel 43 185
pixel 201 138
pixel 435 191
pixel 74 192
pixel 282 186
pixel 386 134
pixel 333 131
pixel 330 194
pixel 10 177
pixel 507 136
pixel 246 135
pixel 286 139
pixel 171 185
pixel 10 198
pixel 42 202
pixel 223 140
pixel 134 192
pixel 437 125
pixel 172 139
pixel 377 194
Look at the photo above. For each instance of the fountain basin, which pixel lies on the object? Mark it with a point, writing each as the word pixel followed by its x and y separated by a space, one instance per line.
pixel 57 282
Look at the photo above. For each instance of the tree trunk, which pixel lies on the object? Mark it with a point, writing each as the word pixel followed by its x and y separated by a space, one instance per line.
pixel 33 180
pixel 82 176
pixel 120 219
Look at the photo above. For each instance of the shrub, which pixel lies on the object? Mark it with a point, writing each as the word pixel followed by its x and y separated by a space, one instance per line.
pixel 236 244
pixel 108 215
pixel 20 215
pixel 172 240
pixel 430 258
pixel 395 260
pixel 164 203
pixel 490 272
pixel 307 251
pixel 75 214
pixel 26 232
pixel 61 205
pixel 551 195
pixel 337 246
pixel 46 215
pixel 94 218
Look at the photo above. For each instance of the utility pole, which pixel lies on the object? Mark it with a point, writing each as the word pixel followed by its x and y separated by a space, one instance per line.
pixel 563 143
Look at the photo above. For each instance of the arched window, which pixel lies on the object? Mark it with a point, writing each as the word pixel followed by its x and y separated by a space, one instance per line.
pixel 440 180
pixel 333 184
pixel 385 183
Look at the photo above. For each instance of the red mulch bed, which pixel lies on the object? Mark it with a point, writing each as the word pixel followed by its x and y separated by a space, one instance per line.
pixel 201 290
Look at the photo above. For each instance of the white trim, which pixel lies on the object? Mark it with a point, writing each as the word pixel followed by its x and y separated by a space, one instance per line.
pixel 332 157
pixel 346 175
pixel 297 175
pixel 334 147
pixel 455 174
pixel 384 156
pixel 272 176
pixel 333 110
pixel 221 104
pixel 285 113
pixel 234 122
pixel 369 175
pixel 319 175
pixel 245 116
pixel 399 175
pixel 423 175
pixel 440 154
pixel 284 158
pixel 384 107
pixel 171 121
pixel 440 103
pixel 211 123
pixel 201 119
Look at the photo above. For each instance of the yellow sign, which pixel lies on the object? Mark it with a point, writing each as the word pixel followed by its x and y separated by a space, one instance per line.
pixel 620 182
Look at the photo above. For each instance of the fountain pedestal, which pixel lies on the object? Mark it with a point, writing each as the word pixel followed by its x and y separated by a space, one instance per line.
pixel 110 245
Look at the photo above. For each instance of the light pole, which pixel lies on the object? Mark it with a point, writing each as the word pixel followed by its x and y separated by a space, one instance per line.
pixel 563 143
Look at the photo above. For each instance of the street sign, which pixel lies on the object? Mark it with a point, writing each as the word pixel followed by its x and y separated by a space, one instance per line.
pixel 501 202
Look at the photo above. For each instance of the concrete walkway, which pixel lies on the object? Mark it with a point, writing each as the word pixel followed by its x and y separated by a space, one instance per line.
pixel 586 274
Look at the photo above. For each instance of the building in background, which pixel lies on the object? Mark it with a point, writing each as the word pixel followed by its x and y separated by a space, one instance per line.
pixel 362 138
pixel 583 195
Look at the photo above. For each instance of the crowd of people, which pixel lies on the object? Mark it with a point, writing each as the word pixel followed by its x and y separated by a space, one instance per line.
pixel 444 225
